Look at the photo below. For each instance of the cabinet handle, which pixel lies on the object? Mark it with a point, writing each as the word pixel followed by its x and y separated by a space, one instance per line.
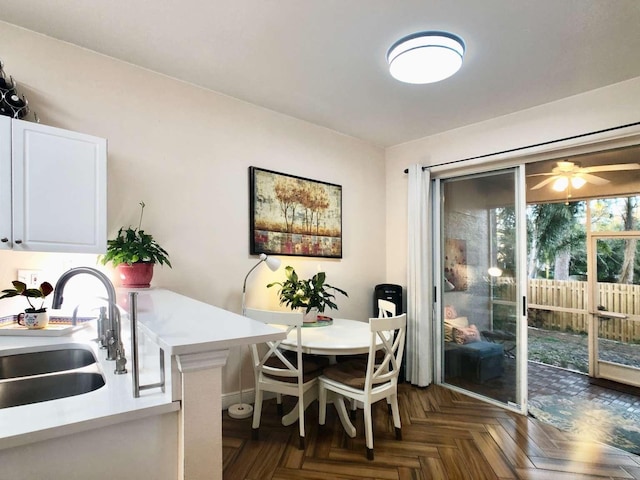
pixel 4 239
pixel 18 242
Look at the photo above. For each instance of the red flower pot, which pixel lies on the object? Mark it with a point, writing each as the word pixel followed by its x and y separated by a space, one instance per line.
pixel 136 275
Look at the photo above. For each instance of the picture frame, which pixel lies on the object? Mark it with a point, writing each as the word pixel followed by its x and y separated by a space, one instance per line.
pixel 455 264
pixel 291 215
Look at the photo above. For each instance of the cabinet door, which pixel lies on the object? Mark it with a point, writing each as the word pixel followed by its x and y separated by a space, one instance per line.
pixel 5 183
pixel 59 190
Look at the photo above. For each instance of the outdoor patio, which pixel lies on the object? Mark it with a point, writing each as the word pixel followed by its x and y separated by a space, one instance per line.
pixel 548 380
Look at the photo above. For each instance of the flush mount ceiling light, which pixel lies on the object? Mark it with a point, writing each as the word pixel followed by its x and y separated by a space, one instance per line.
pixel 425 57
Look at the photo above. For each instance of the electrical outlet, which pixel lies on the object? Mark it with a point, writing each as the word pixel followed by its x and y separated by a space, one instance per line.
pixel 30 277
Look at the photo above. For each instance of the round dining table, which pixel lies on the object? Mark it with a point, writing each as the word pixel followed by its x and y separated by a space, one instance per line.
pixel 340 337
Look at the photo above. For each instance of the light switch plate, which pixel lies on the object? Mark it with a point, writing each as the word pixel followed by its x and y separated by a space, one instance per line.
pixel 30 277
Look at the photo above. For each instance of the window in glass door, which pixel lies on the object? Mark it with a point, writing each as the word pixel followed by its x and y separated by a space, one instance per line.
pixel 479 260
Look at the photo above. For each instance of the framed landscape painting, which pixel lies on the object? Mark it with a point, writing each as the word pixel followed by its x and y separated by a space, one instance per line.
pixel 292 215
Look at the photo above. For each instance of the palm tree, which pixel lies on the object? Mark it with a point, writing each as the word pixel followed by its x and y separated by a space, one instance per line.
pixel 626 271
pixel 553 231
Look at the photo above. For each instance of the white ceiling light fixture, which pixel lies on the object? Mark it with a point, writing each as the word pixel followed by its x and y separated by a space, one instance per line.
pixel 425 57
pixel 561 184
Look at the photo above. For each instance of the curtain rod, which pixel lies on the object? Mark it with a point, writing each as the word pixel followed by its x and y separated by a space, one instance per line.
pixel 406 170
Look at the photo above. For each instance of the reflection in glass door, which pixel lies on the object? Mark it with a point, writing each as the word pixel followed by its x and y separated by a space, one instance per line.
pixel 481 300
pixel 615 325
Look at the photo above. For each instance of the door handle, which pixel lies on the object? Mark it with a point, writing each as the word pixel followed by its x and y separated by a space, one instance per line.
pixel 604 315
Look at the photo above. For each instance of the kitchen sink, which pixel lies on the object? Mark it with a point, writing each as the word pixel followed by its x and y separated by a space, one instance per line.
pixel 40 376
pixel 34 389
pixel 37 363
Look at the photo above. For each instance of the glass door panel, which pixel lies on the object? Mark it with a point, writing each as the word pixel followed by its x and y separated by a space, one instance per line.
pixel 481 297
pixel 616 310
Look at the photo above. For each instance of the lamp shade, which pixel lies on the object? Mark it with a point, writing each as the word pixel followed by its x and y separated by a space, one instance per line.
pixel 425 57
pixel 273 263
pixel 577 182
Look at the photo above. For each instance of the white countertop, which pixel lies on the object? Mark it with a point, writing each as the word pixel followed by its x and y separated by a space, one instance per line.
pixel 176 323
pixel 181 325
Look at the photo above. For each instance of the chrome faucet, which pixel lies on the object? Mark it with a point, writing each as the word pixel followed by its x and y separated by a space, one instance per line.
pixel 109 331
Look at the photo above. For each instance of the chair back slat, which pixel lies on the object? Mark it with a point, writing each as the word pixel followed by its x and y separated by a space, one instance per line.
pixel 386 308
pixel 293 320
pixel 391 331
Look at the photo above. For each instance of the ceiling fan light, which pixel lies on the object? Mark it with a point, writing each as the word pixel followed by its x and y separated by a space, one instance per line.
pixel 425 57
pixel 560 184
pixel 577 182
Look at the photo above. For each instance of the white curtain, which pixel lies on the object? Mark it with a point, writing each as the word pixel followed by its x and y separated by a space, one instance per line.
pixel 419 351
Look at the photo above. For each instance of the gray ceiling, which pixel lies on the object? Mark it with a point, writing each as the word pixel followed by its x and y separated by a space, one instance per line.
pixel 324 60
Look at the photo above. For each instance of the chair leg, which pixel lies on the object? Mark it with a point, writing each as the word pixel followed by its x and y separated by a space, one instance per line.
pixel 322 405
pixel 368 429
pixel 279 405
pixel 301 408
pixel 396 415
pixel 257 411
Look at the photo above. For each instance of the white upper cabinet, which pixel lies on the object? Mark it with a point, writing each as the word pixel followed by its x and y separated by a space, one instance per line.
pixel 53 189
pixel 5 182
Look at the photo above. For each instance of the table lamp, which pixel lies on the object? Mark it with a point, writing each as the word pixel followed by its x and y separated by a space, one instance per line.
pixel 244 410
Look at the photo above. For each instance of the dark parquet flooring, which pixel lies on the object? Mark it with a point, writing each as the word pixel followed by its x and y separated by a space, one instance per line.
pixel 446 435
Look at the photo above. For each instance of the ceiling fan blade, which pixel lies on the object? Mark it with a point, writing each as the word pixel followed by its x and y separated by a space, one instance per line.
pixel 540 174
pixel 611 168
pixel 544 182
pixel 594 179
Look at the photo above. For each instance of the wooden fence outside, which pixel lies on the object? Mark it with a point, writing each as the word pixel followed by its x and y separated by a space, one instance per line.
pixel 562 305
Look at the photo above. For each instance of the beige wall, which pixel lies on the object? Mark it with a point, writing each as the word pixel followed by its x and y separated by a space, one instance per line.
pixel 185 152
pixel 597 110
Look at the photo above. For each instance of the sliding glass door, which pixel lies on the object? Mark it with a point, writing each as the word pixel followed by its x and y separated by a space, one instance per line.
pixel 479 284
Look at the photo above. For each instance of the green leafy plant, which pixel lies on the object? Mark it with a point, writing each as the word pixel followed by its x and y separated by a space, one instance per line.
pixel 20 289
pixel 310 293
pixel 133 245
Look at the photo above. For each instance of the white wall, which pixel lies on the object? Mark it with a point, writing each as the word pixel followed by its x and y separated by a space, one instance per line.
pixel 600 109
pixel 185 152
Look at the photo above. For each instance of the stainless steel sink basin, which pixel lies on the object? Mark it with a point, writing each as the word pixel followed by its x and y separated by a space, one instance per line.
pixel 57 372
pixel 34 389
pixel 37 363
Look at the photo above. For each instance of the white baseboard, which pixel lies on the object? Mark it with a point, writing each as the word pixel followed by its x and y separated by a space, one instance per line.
pixel 248 396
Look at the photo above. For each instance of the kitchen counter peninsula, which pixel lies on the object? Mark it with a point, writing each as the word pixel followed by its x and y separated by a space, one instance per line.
pixel 108 433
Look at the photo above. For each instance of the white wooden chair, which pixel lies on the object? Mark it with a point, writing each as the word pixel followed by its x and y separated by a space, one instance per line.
pixel 370 382
pixel 283 372
pixel 386 308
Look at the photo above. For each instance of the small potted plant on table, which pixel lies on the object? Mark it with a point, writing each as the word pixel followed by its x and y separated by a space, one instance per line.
pixel 133 253
pixel 311 296
pixel 33 317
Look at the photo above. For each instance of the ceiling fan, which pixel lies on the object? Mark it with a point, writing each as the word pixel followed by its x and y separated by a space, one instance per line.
pixel 570 174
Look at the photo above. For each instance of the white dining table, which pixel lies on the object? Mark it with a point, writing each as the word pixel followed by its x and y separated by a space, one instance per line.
pixel 341 337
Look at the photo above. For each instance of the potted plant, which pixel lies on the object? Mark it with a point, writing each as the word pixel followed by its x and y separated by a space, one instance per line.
pixel 312 295
pixel 134 253
pixel 33 317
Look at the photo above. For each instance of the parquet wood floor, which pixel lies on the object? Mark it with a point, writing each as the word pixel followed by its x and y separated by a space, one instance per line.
pixel 446 435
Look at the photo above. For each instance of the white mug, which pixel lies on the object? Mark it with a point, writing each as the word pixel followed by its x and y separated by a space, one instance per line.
pixel 34 320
